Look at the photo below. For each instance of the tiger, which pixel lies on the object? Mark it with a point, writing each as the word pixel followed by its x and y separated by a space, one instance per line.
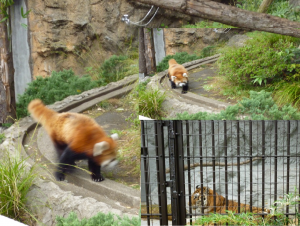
pixel 208 203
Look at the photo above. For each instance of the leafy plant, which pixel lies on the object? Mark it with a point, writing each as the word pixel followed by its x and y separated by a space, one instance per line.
pixel 260 106
pixel 207 51
pixel 180 58
pixel 100 219
pixel 57 87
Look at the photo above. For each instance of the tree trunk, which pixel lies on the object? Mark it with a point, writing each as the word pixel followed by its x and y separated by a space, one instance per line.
pixel 149 52
pixel 142 60
pixel 230 15
pixel 264 6
pixel 7 93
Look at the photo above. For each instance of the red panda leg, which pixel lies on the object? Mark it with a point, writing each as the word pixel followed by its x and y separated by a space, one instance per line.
pixel 185 88
pixel 66 161
pixel 173 85
pixel 96 171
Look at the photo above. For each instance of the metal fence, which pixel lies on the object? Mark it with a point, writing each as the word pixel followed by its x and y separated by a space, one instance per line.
pixel 250 162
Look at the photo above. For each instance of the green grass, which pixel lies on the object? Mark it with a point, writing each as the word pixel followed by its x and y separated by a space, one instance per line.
pixel 100 219
pixel 150 103
pixel 16 178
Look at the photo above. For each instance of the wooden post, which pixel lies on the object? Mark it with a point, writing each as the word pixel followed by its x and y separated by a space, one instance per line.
pixel 149 51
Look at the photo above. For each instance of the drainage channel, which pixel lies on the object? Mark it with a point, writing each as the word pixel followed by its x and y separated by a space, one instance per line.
pixel 190 97
pixel 39 147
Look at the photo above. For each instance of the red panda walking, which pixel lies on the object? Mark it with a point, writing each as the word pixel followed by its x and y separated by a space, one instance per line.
pixel 76 137
pixel 178 76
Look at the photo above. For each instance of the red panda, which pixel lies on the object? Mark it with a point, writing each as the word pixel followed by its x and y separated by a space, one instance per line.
pixel 178 75
pixel 76 136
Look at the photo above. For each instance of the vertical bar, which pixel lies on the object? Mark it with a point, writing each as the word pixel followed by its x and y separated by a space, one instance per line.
pixel 238 164
pixel 275 163
pixel 288 161
pixel 251 168
pixel 226 163
pixel 189 170
pixel 144 155
pixel 263 163
pixel 162 191
pixel 213 161
pixel 201 164
pixel 174 192
pixel 180 173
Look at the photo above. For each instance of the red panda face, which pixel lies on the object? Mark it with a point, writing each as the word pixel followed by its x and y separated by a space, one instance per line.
pixel 106 151
pixel 180 79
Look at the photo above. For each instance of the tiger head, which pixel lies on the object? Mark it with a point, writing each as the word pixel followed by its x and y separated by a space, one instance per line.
pixel 196 198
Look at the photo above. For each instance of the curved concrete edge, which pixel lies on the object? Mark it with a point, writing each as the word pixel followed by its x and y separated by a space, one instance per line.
pixel 44 195
pixel 178 103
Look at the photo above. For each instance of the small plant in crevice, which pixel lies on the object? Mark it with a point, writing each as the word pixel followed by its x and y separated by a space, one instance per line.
pixel 54 88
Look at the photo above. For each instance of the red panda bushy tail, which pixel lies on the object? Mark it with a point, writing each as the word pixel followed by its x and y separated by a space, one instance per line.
pixel 40 112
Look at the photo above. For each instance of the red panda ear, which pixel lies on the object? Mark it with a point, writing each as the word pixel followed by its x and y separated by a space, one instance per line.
pixel 185 75
pixel 114 136
pixel 100 147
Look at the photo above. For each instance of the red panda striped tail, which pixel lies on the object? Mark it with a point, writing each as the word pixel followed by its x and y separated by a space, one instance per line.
pixel 40 112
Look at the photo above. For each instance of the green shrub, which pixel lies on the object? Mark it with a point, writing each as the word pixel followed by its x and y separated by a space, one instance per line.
pixel 260 106
pixel 112 70
pixel 150 103
pixel 100 219
pixel 261 61
pixel 180 58
pixel 54 88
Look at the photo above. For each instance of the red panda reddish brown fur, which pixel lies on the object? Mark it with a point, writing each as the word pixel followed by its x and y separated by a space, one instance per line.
pixel 178 75
pixel 75 136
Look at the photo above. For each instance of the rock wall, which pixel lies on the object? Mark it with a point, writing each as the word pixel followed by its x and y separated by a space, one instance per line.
pixel 77 34
pixel 193 40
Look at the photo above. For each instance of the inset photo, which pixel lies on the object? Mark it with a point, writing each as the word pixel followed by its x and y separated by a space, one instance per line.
pixel 220 172
pixel 218 74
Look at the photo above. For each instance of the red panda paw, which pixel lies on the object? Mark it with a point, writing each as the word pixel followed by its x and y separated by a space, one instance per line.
pixel 97 178
pixel 59 176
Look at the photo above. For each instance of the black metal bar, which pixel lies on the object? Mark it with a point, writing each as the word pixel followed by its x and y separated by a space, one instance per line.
pixel 288 161
pixel 174 191
pixel 226 162
pixel 180 173
pixel 213 161
pixel 251 168
pixel 238 164
pixel 162 190
pixel 201 164
pixel 275 160
pixel 189 169
pixel 263 164
pixel 144 155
